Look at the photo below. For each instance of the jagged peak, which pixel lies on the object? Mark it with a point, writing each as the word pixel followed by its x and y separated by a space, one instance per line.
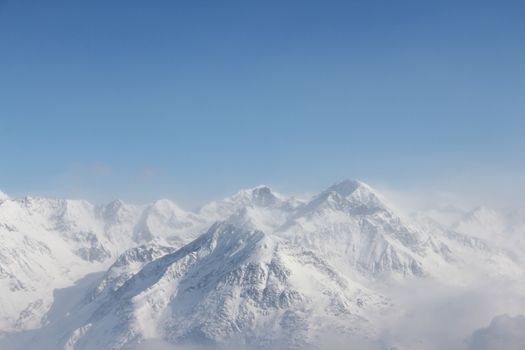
pixel 28 200
pixel 143 252
pixel 228 237
pixel 56 206
pixel 347 187
pixel 262 195
pixel 259 196
pixel 347 194
pixel 222 238
pixel 261 187
pixel 114 207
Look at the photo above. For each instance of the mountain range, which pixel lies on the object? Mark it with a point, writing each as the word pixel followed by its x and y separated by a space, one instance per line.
pixel 258 269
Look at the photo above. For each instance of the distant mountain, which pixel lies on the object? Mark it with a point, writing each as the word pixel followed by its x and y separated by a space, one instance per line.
pixel 50 243
pixel 258 268
pixel 505 230
pixel 481 222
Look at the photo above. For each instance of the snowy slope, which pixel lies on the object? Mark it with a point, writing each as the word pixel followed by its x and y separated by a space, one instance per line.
pixel 350 223
pixel 483 223
pixel 229 284
pixel 504 230
pixel 257 268
pixel 48 244
pixel 261 204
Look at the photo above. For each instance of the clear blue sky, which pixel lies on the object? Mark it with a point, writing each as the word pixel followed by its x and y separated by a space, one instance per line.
pixel 194 99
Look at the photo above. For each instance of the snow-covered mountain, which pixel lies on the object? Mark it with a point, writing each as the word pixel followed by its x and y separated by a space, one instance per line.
pixel 482 222
pixel 49 243
pixel 505 230
pixel 230 283
pixel 258 268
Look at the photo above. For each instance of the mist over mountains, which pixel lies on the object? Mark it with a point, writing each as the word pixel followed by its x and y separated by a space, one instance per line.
pixel 259 270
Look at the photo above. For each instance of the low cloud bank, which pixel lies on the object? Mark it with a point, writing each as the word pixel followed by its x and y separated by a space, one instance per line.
pixel 503 333
pixel 433 318
pixel 430 316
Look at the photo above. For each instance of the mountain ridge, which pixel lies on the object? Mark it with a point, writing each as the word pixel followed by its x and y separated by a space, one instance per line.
pixel 258 267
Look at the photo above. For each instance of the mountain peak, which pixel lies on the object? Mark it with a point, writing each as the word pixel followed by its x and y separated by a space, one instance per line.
pixel 351 197
pixel 166 205
pixel 115 206
pixel 347 187
pixel 262 196
pixel 3 196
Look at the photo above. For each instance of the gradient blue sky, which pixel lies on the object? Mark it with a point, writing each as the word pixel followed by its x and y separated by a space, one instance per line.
pixel 195 99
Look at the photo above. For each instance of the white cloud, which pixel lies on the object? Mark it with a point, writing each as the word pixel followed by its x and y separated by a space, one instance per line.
pixel 436 316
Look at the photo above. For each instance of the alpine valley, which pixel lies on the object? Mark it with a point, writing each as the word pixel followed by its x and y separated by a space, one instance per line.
pixel 257 270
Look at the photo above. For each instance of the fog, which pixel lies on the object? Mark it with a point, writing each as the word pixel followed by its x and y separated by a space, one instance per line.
pixel 504 332
pixel 430 316
pixel 440 317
